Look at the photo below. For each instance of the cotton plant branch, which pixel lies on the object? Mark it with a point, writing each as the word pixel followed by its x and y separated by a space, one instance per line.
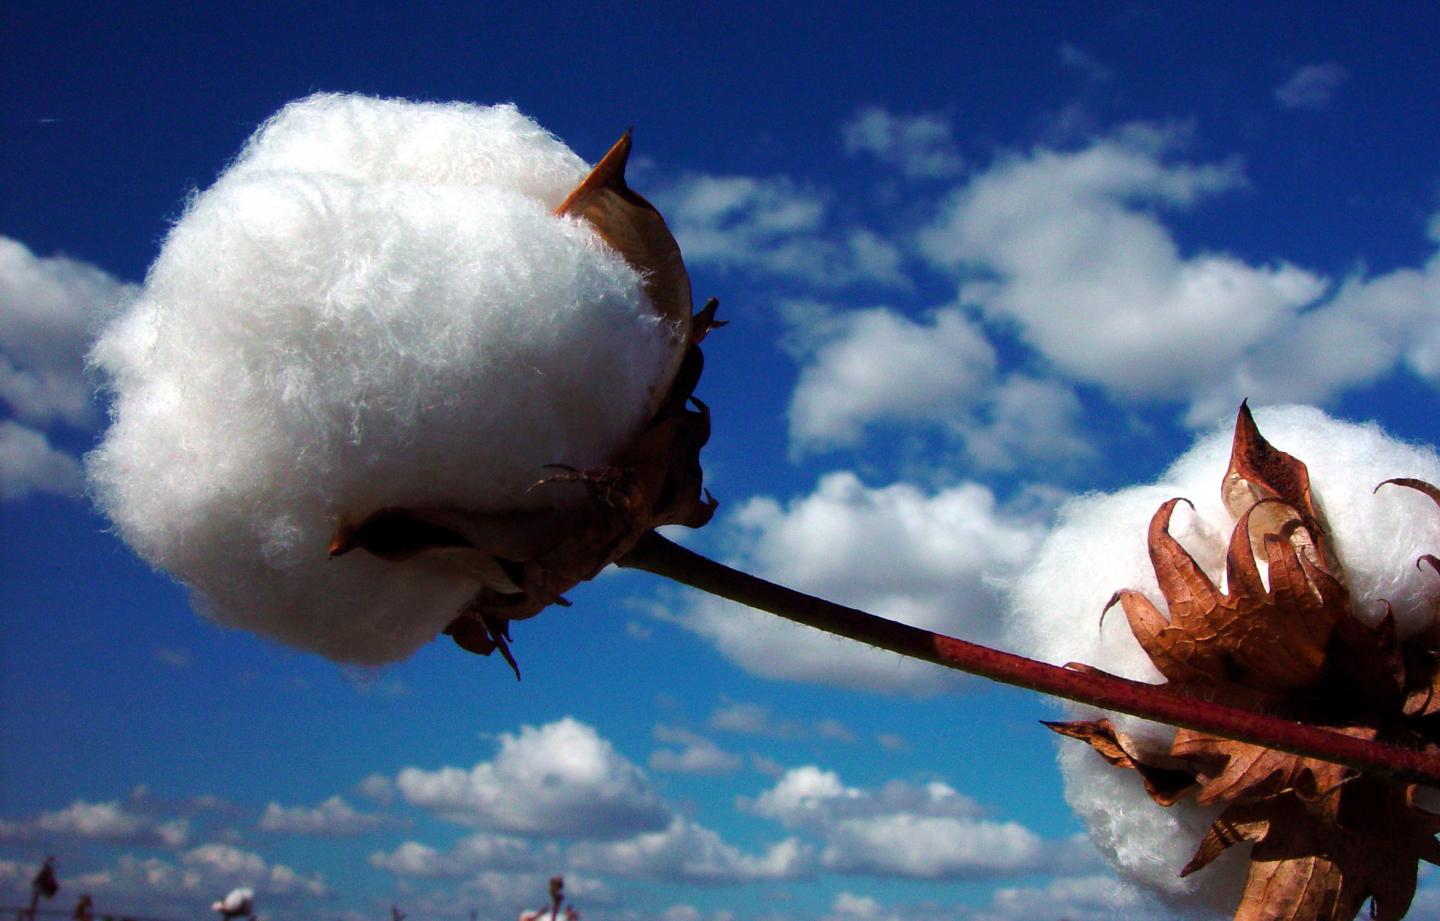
pixel 660 556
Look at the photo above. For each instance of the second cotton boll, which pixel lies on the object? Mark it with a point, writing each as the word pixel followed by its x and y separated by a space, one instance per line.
pixel 374 306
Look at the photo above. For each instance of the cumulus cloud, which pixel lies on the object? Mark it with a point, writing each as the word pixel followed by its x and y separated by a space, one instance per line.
pixel 861 369
pixel 1312 86
pixel 50 307
pixel 1099 546
pixel 926 831
pixel 558 779
pixel 30 464
pixel 695 754
pixel 920 146
pixel 776 227
pixel 1058 243
pixel 225 863
pixel 865 365
pixel 1071 247
pixel 469 857
pixel 687 852
pixel 186 886
pixel 1080 898
pixel 1367 327
pixel 109 822
pixel 851 907
pixel 332 818
pixel 749 718
pixel 377 788
pixel 923 558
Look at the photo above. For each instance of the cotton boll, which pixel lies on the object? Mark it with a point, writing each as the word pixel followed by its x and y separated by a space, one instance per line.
pixel 367 140
pixel 1098 546
pixel 374 307
pixel 1146 843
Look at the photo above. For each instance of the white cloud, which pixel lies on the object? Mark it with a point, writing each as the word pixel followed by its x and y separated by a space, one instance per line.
pixel 864 368
pixel 1312 86
pixel 865 365
pixel 224 864
pixel 469 857
pixel 773 226
pixel 29 464
pixel 748 718
pixel 377 788
pixel 696 754
pixel 1357 335
pixel 810 797
pixel 1064 250
pixel 921 146
pixel 1070 247
pixel 332 818
pixel 173 656
pixel 687 852
pixel 202 874
pixel 49 307
pixel 1089 66
pixel 1022 419
pixel 925 831
pixel 850 907
pixel 925 847
pixel 834 730
pixel 924 558
pixel 558 779
pixel 1079 898
pixel 109 822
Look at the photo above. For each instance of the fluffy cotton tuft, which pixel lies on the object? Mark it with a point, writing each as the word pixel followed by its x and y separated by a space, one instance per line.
pixel 1098 547
pixel 372 306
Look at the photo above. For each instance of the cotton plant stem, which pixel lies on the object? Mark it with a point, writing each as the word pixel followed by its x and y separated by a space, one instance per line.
pixel 665 558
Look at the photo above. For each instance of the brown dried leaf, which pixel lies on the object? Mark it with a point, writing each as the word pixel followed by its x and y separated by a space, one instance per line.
pixel 637 231
pixel 1258 470
pixel 1230 771
pixel 1307 865
pixel 1267 640
pixel 1165 785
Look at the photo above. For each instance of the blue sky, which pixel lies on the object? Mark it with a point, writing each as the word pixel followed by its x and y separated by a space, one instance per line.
pixel 973 262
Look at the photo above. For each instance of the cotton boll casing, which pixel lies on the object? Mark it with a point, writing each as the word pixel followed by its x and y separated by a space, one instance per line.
pixel 373 307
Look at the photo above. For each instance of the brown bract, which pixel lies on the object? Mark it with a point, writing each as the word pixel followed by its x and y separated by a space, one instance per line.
pixel 525 559
pixel 1326 838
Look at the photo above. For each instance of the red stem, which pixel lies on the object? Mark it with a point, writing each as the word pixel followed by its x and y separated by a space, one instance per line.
pixel 662 557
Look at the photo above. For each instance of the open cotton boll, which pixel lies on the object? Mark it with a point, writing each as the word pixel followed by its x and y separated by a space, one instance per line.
pixel 374 307
pixel 1098 546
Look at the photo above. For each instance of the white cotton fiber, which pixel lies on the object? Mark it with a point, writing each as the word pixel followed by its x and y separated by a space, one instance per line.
pixel 373 306
pixel 1098 546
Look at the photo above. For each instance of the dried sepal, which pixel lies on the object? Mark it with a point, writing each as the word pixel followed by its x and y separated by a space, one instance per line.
pixel 1258 470
pixel 637 231
pixel 1269 640
pixel 1166 785
pixel 1228 771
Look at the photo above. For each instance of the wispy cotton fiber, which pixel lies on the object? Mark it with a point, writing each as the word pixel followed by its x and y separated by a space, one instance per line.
pixel 372 306
pixel 1098 546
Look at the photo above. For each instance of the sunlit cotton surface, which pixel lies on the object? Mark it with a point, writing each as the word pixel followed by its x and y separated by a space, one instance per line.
pixel 373 306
